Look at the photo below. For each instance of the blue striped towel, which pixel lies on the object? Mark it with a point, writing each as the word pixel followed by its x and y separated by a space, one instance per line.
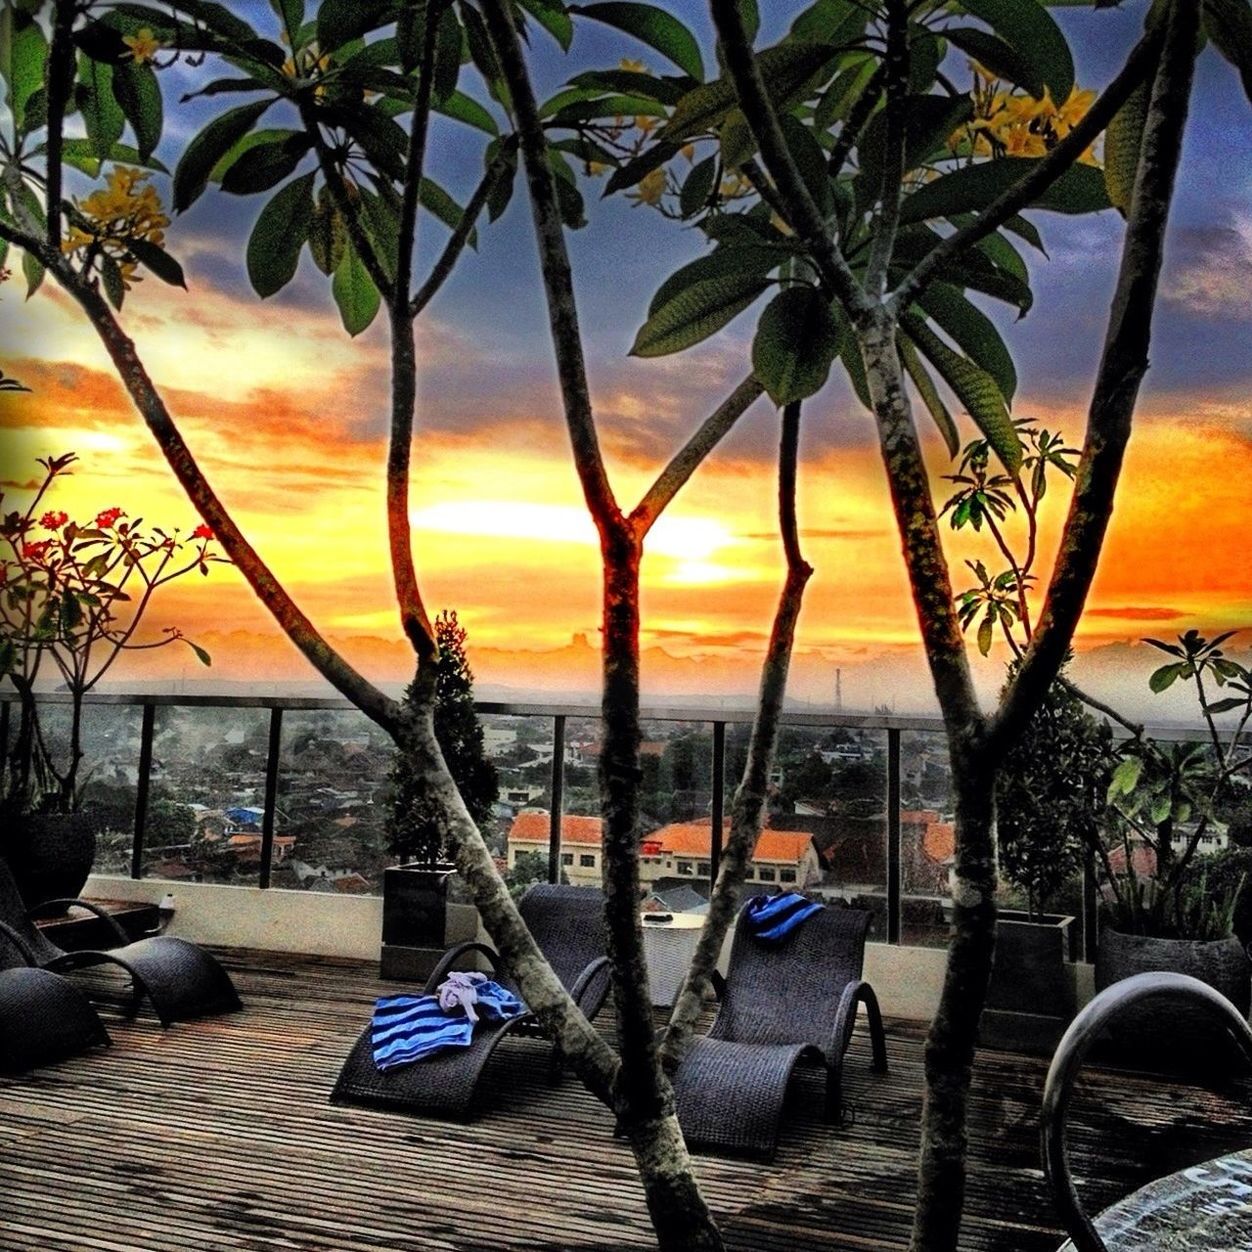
pixel 772 917
pixel 405 1029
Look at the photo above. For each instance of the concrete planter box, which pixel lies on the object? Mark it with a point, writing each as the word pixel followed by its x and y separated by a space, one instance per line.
pixel 1031 999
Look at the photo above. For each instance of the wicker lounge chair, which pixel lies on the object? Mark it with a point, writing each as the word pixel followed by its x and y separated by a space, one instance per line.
pixel 783 1002
pixel 181 980
pixel 44 1019
pixel 568 925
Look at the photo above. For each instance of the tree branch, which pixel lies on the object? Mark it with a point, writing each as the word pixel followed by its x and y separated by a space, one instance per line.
pixel 465 227
pixel 891 191
pixel 1066 153
pixel 557 279
pixel 688 458
pixel 347 210
pixel 858 115
pixel 58 82
pixel 802 212
pixel 147 400
pixel 1122 367
pixel 748 806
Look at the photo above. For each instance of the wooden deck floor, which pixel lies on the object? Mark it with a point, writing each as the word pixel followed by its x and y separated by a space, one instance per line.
pixel 218 1135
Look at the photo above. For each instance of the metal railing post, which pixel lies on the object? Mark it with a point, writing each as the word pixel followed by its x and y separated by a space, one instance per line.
pixel 894 885
pixel 271 794
pixel 719 798
pixel 558 798
pixel 141 789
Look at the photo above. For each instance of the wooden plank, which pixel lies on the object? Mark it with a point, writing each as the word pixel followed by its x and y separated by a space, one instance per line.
pixel 217 1134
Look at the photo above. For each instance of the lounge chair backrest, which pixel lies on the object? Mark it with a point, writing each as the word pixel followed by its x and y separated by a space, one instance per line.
pixel 568 926
pixel 788 991
pixel 13 913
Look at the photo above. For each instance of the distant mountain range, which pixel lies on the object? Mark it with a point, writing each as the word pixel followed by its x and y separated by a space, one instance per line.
pixel 246 662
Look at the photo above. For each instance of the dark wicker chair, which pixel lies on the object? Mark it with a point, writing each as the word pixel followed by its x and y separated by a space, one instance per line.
pixel 44 1019
pixel 180 979
pixel 782 1003
pixel 1191 1216
pixel 568 926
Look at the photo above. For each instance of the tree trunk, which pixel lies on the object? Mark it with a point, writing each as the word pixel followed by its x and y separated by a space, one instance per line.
pixel 950 1045
pixel 643 1101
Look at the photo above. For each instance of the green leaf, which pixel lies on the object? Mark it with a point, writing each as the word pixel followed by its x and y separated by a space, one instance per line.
pixel 787 68
pixel 1079 190
pixel 280 231
pixel 266 164
pixel 448 48
pixel 974 387
pixel 196 164
pixel 341 21
pixel 101 113
pixel 697 187
pixel 435 200
pixel 1126 776
pixel 115 290
pixel 81 155
pixel 463 108
pixel 1003 60
pixel 24 72
pixel 697 312
pixel 381 218
pixel 654 27
pixel 137 93
pixel 201 655
pixel 929 120
pixel 33 272
pixel 830 21
pixel 1165 677
pixel 327 234
pixel 931 398
pixel 552 16
pixel 810 160
pixel 972 331
pixel 1032 31
pixel 985 630
pixel 637 168
pixel 354 293
pixel 1228 23
pixel 1225 706
pixel 158 261
pixel 753 258
pixel 796 342
pixel 1122 142
pixel 291 14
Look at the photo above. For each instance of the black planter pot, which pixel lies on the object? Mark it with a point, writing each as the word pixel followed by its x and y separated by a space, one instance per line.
pixel 51 854
pixel 1171 1036
pixel 415 919
pixel 1031 997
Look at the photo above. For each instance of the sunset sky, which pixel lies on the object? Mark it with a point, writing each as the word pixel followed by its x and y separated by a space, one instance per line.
pixel 287 417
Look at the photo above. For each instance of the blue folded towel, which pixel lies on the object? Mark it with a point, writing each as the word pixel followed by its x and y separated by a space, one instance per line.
pixel 405 1029
pixel 772 917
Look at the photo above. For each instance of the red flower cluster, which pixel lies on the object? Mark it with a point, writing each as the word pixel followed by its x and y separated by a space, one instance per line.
pixel 203 531
pixel 36 551
pixel 109 518
pixel 53 520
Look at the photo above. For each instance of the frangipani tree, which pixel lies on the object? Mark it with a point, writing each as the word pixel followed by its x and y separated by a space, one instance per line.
pixel 334 134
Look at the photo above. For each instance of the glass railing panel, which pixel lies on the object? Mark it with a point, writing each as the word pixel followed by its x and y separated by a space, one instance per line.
pixel 927 839
pixel 333 799
pixel 206 794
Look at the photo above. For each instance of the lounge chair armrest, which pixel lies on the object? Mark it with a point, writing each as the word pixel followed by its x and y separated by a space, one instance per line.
pixel 858 992
pixel 103 914
pixel 591 971
pixel 449 960
pixel 12 937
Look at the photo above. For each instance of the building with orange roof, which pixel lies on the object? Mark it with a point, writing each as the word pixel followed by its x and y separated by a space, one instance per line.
pixel 679 850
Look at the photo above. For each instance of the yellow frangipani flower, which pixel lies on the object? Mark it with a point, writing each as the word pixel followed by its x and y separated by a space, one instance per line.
pixel 651 187
pixel 645 123
pixel 125 209
pixel 632 67
pixel 143 46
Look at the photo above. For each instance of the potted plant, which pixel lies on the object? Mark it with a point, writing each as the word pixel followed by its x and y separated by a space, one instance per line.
pixel 1049 803
pixel 72 596
pixel 1159 909
pixel 415 892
